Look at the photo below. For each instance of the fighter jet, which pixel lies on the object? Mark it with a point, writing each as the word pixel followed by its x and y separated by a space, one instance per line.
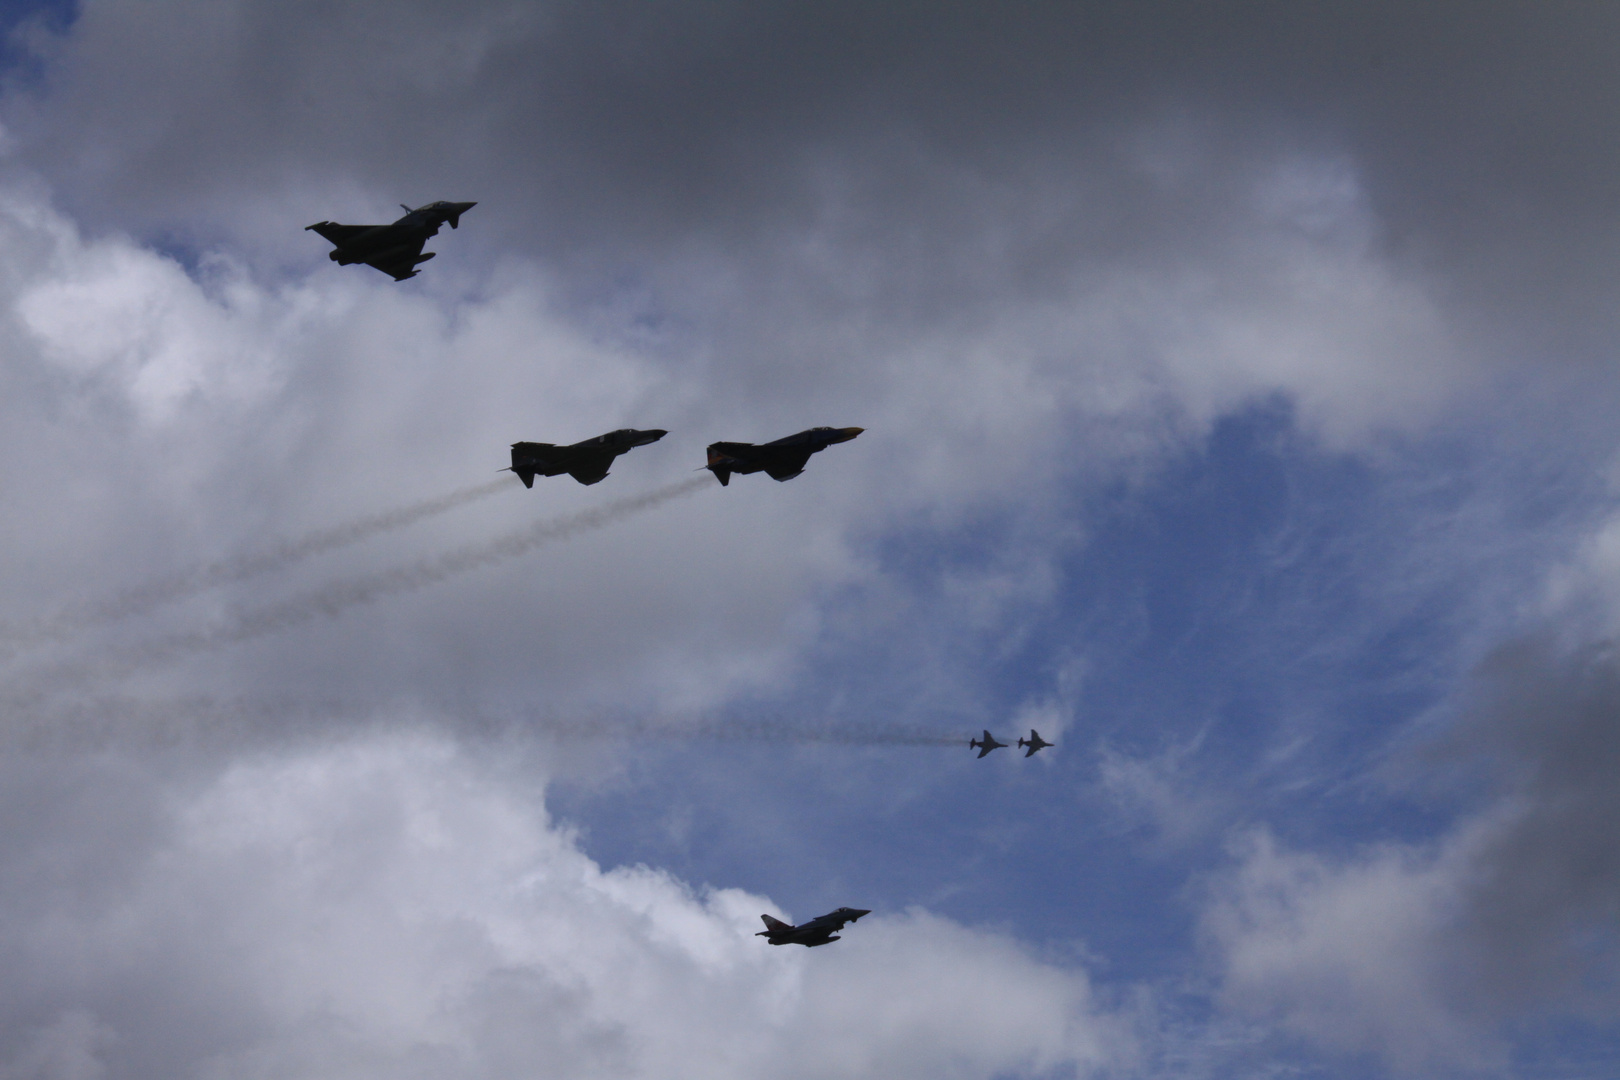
pixel 394 249
pixel 780 460
pixel 988 744
pixel 1034 742
pixel 587 462
pixel 818 931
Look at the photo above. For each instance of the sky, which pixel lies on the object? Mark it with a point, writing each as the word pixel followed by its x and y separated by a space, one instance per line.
pixel 1237 383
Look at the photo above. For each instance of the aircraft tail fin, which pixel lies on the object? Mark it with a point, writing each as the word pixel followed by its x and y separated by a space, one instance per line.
pixel 772 925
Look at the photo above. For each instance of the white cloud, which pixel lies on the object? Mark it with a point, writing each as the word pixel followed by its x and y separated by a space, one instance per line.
pixel 1351 955
pixel 391 906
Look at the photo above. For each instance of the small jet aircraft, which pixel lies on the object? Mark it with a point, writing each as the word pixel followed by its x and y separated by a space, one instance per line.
pixel 780 460
pixel 987 744
pixel 818 931
pixel 587 462
pixel 1034 742
pixel 394 249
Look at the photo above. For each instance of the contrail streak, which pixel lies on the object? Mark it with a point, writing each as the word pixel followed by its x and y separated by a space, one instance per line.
pixel 144 598
pixel 340 595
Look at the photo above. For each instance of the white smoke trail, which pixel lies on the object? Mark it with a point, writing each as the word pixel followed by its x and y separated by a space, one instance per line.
pixel 205 723
pixel 756 729
pixel 199 579
pixel 338 596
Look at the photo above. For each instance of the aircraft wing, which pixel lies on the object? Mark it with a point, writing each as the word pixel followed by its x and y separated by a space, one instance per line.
pixel 400 262
pixel 787 466
pixel 339 234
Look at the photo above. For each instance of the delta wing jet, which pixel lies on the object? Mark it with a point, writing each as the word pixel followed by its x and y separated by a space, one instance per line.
pixel 1034 742
pixel 818 931
pixel 394 249
pixel 987 744
pixel 587 462
pixel 780 460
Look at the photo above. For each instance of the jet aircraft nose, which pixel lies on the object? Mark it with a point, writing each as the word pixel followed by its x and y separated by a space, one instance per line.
pixel 855 913
pixel 849 433
pixel 652 435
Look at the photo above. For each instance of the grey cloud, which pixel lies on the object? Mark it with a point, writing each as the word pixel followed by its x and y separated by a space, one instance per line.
pixel 1546 887
pixel 657 124
pixel 1420 952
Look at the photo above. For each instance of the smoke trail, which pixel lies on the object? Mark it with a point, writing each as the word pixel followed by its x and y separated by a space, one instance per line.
pixel 795 732
pixel 199 579
pixel 205 723
pixel 338 596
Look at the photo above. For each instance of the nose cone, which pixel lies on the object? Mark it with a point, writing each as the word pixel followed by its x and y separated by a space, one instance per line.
pixel 846 434
pixel 650 435
pixel 855 913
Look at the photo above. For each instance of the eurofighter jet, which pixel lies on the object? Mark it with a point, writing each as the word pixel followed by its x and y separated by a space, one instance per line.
pixel 988 744
pixel 587 462
pixel 394 249
pixel 1034 742
pixel 818 931
pixel 780 460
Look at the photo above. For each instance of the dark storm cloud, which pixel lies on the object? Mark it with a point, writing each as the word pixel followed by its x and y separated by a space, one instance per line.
pixel 912 135
pixel 1544 911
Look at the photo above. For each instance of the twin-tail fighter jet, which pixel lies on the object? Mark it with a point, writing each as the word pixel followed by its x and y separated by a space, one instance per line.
pixel 1034 742
pixel 780 460
pixel 987 744
pixel 394 249
pixel 818 931
pixel 587 462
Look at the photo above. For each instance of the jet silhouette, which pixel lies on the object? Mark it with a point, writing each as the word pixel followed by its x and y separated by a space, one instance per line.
pixel 588 461
pixel 1034 742
pixel 988 744
pixel 780 460
pixel 818 931
pixel 394 249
